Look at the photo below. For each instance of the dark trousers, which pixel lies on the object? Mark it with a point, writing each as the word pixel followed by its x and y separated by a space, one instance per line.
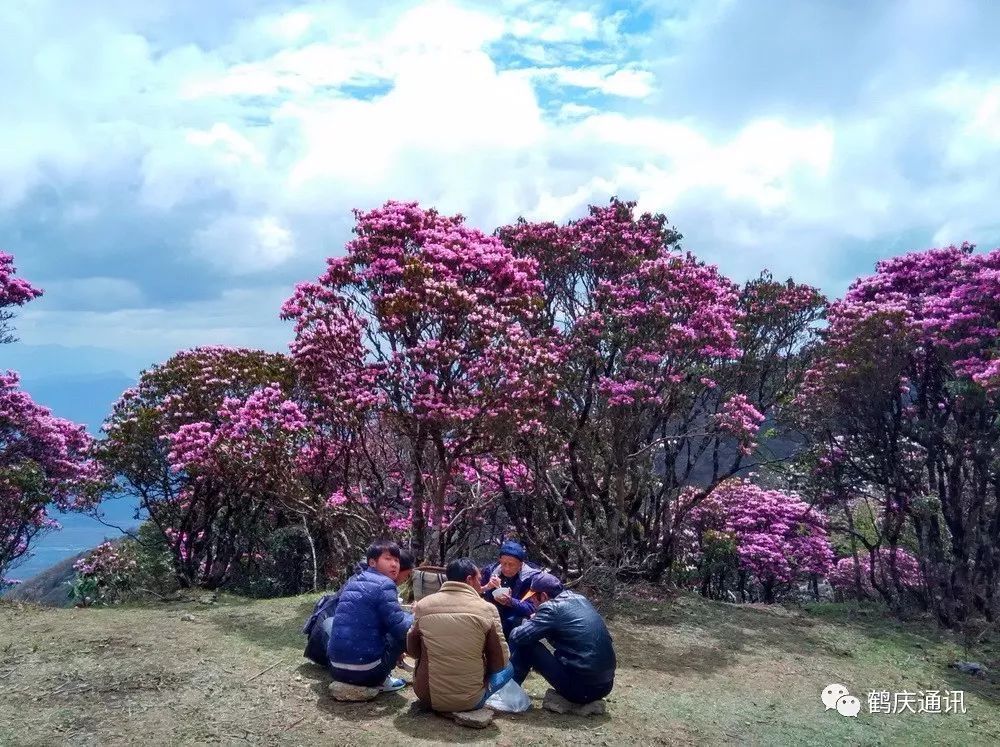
pixel 571 684
pixel 375 676
pixel 319 641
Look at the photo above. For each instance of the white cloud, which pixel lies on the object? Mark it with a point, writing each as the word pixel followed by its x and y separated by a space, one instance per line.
pixel 237 317
pixel 607 79
pixel 255 140
pixel 239 244
pixel 91 293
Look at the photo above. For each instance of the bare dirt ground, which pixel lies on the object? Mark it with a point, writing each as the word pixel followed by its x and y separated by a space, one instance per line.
pixel 690 672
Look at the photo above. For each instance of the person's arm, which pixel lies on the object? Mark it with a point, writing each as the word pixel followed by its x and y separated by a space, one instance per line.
pixel 523 608
pixel 536 628
pixel 414 641
pixel 484 578
pixel 396 621
pixel 495 648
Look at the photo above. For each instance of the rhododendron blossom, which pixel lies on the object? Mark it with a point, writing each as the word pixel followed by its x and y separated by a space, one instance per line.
pixel 434 322
pixel 104 560
pixel 906 385
pixel 44 460
pixel 778 537
pixel 842 577
pixel 741 419
pixel 196 441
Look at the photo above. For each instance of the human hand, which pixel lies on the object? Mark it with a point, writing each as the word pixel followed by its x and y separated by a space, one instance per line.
pixel 494 583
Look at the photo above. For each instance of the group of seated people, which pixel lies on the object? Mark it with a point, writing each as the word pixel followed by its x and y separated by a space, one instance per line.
pixel 468 642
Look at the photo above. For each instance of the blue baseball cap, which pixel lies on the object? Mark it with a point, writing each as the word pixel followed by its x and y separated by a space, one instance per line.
pixel 515 550
pixel 546 583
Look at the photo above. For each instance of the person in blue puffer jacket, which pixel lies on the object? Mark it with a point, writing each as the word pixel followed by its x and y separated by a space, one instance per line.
pixel 320 623
pixel 368 633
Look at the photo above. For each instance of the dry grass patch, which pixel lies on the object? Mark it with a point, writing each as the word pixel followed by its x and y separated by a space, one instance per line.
pixel 690 672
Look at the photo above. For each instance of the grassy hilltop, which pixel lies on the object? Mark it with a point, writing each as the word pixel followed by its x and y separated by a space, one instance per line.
pixel 690 672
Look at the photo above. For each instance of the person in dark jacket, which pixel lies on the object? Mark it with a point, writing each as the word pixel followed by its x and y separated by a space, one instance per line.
pixel 368 633
pixel 317 629
pixel 512 572
pixel 320 622
pixel 582 668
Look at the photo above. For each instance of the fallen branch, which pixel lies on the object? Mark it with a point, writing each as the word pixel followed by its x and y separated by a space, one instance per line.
pixel 265 671
pixel 294 724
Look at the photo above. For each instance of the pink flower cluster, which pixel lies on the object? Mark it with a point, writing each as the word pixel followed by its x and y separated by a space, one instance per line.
pixel 842 576
pixel 243 432
pixel 919 310
pixel 105 560
pixel 778 536
pixel 14 291
pixel 739 418
pixel 448 310
pixel 43 460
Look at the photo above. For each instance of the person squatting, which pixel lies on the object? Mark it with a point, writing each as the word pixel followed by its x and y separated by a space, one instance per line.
pixel 482 629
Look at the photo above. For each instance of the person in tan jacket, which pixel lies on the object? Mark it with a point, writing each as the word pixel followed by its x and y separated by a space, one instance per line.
pixel 458 642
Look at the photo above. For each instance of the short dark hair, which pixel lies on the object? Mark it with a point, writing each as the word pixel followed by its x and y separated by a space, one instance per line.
pixel 405 559
pixel 376 548
pixel 461 569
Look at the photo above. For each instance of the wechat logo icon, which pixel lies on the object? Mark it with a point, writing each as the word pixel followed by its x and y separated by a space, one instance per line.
pixel 836 696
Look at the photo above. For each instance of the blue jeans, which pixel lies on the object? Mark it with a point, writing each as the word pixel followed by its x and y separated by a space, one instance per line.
pixel 571 684
pixel 497 681
pixel 376 676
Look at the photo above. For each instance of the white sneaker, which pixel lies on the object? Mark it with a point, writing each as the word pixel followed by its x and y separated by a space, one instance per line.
pixel 391 684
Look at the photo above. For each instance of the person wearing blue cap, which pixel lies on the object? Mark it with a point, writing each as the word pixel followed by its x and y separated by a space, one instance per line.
pixel 582 666
pixel 513 572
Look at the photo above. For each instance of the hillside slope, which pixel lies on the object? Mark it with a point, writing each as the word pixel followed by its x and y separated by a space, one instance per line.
pixel 49 588
pixel 690 672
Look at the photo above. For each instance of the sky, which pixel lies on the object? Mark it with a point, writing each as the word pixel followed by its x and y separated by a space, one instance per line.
pixel 171 169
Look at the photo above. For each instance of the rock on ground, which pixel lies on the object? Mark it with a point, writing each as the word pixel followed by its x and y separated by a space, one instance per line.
pixel 558 704
pixel 971 667
pixel 352 693
pixel 478 719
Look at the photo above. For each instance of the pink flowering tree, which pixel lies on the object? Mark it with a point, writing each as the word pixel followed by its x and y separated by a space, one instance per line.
pixel 845 575
pixel 194 441
pixel 430 326
pixel 44 460
pixel 668 372
pixel 14 291
pixel 905 390
pixel 105 575
pixel 774 539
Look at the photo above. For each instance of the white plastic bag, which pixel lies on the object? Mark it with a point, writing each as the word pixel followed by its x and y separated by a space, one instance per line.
pixel 511 698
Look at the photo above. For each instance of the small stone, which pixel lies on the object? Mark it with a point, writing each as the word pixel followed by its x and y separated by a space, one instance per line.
pixel 352 693
pixel 593 708
pixel 188 618
pixel 477 719
pixel 971 667
pixel 556 703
